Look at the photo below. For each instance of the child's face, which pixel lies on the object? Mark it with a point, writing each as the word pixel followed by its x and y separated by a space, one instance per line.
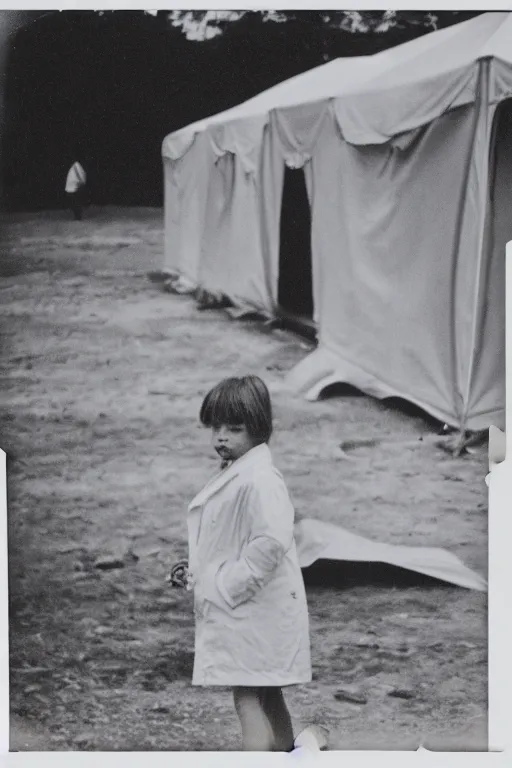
pixel 231 441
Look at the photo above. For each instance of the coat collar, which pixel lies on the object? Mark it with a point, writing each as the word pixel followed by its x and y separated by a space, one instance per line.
pixel 259 456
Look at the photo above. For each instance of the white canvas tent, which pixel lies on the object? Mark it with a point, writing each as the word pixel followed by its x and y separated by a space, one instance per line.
pixel 408 162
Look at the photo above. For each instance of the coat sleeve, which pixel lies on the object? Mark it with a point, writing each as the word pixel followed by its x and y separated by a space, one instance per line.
pixel 271 518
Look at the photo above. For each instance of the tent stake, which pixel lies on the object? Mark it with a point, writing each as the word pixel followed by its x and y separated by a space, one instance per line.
pixel 460 445
pixel 467 440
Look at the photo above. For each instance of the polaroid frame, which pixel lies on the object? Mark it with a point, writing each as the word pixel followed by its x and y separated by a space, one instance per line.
pixel 499 482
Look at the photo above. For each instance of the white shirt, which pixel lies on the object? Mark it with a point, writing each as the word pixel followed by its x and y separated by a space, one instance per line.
pixel 76 178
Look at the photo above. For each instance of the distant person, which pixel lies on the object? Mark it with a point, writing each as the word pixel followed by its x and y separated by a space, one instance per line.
pixel 252 626
pixel 75 185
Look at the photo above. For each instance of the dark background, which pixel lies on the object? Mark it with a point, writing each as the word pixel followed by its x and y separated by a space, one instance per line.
pixel 108 87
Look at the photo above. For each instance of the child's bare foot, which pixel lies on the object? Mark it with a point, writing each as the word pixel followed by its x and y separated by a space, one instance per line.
pixel 314 737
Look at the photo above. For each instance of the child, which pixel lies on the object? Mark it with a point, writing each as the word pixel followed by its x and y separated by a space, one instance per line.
pixel 252 629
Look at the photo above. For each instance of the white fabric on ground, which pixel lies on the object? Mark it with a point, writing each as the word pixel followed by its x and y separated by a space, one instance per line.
pixel 317 540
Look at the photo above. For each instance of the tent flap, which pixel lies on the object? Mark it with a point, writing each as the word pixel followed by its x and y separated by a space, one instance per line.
pixel 176 145
pixel 378 116
pixel 297 130
pixel 242 138
pixel 324 368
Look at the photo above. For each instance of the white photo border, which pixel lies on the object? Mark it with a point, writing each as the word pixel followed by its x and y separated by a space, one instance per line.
pixel 500 561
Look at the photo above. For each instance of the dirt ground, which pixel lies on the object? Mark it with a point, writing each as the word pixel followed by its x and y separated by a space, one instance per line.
pixel 103 375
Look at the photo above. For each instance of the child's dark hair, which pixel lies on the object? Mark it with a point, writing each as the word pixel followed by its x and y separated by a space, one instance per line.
pixel 244 400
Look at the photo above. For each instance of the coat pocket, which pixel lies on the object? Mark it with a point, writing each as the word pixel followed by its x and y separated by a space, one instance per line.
pixel 214 603
pixel 211 602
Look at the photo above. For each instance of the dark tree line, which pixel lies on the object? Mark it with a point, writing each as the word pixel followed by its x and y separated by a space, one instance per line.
pixel 110 86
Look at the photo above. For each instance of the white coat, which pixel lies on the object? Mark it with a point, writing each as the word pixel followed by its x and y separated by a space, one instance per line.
pixel 252 626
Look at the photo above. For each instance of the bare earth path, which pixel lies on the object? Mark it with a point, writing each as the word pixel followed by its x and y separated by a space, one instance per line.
pixel 102 377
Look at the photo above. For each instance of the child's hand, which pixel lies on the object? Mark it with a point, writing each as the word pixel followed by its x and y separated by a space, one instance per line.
pixel 179 577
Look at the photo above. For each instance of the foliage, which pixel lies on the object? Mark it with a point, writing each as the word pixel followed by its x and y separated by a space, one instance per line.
pixel 204 25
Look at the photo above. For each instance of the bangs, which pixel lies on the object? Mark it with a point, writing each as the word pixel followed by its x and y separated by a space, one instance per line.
pixel 239 401
pixel 222 406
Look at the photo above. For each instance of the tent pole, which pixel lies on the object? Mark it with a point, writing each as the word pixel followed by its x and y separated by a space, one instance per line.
pixel 457 395
pixel 481 116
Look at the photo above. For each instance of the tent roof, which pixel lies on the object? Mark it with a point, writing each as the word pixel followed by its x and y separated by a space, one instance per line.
pixel 448 50
pixel 338 76
pixel 427 59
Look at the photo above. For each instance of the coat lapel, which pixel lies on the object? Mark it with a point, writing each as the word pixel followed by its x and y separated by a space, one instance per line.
pixel 260 455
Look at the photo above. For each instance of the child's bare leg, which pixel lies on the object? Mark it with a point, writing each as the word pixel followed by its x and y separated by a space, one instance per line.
pixel 279 718
pixel 257 735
